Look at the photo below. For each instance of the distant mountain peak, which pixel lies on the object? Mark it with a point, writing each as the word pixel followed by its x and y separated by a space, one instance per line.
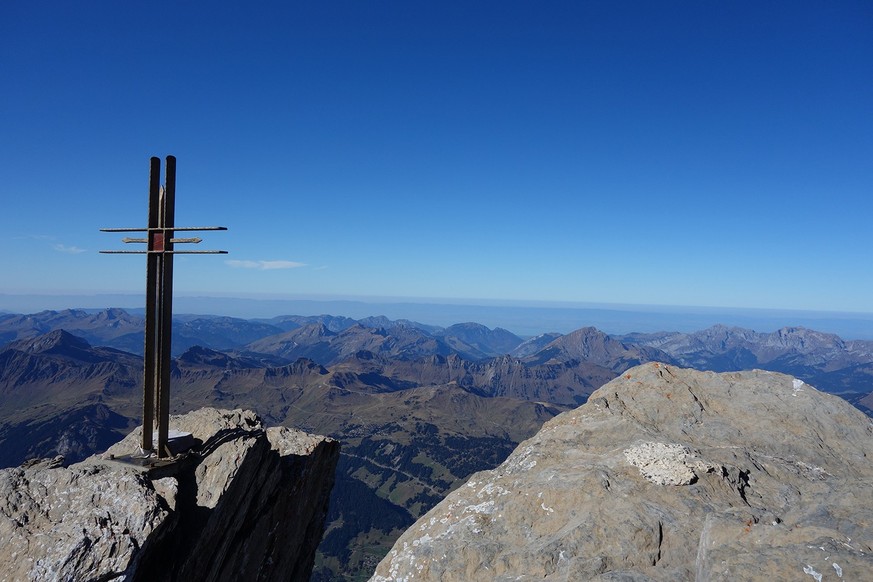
pixel 114 313
pixel 318 329
pixel 53 342
pixel 201 355
pixel 804 339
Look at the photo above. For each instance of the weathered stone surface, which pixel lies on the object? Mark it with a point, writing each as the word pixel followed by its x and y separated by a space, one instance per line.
pixel 247 503
pixel 665 474
pixel 74 524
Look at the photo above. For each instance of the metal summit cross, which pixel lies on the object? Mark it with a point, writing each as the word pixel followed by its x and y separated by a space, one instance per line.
pixel 160 249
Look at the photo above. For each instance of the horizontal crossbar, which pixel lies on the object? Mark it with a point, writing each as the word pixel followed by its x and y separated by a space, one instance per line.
pixel 194 240
pixel 163 252
pixel 163 229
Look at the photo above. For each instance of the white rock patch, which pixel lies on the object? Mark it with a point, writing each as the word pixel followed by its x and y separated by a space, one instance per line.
pixel 811 571
pixel 666 463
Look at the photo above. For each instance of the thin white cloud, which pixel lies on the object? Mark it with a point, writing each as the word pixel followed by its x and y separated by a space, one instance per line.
pixel 281 265
pixel 74 250
pixel 264 265
pixel 34 237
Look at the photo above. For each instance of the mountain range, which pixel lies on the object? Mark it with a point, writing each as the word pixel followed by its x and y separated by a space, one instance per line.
pixel 417 407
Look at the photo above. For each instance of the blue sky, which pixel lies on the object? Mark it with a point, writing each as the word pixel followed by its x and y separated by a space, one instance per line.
pixel 669 153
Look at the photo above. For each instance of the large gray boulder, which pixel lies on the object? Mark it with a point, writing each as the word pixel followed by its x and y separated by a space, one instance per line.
pixel 246 503
pixel 665 474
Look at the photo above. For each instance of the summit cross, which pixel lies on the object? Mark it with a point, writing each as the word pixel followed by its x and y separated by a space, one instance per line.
pixel 160 248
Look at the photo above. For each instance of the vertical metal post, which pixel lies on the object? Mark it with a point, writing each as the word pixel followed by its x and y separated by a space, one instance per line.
pixel 165 303
pixel 159 300
pixel 150 378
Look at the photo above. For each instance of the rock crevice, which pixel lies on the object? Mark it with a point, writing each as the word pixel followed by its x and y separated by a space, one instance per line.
pixel 247 502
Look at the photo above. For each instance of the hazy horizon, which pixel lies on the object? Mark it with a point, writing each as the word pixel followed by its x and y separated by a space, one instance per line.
pixel 521 318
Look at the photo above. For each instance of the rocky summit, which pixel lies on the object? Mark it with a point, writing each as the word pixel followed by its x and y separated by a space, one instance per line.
pixel 245 503
pixel 665 474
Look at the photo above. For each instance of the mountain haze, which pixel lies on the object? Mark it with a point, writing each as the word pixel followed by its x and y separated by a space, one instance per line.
pixel 417 408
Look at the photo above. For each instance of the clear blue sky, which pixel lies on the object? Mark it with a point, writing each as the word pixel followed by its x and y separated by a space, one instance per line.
pixel 673 153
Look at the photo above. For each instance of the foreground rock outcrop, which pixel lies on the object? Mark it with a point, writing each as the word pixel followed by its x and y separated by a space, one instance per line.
pixel 246 503
pixel 665 474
